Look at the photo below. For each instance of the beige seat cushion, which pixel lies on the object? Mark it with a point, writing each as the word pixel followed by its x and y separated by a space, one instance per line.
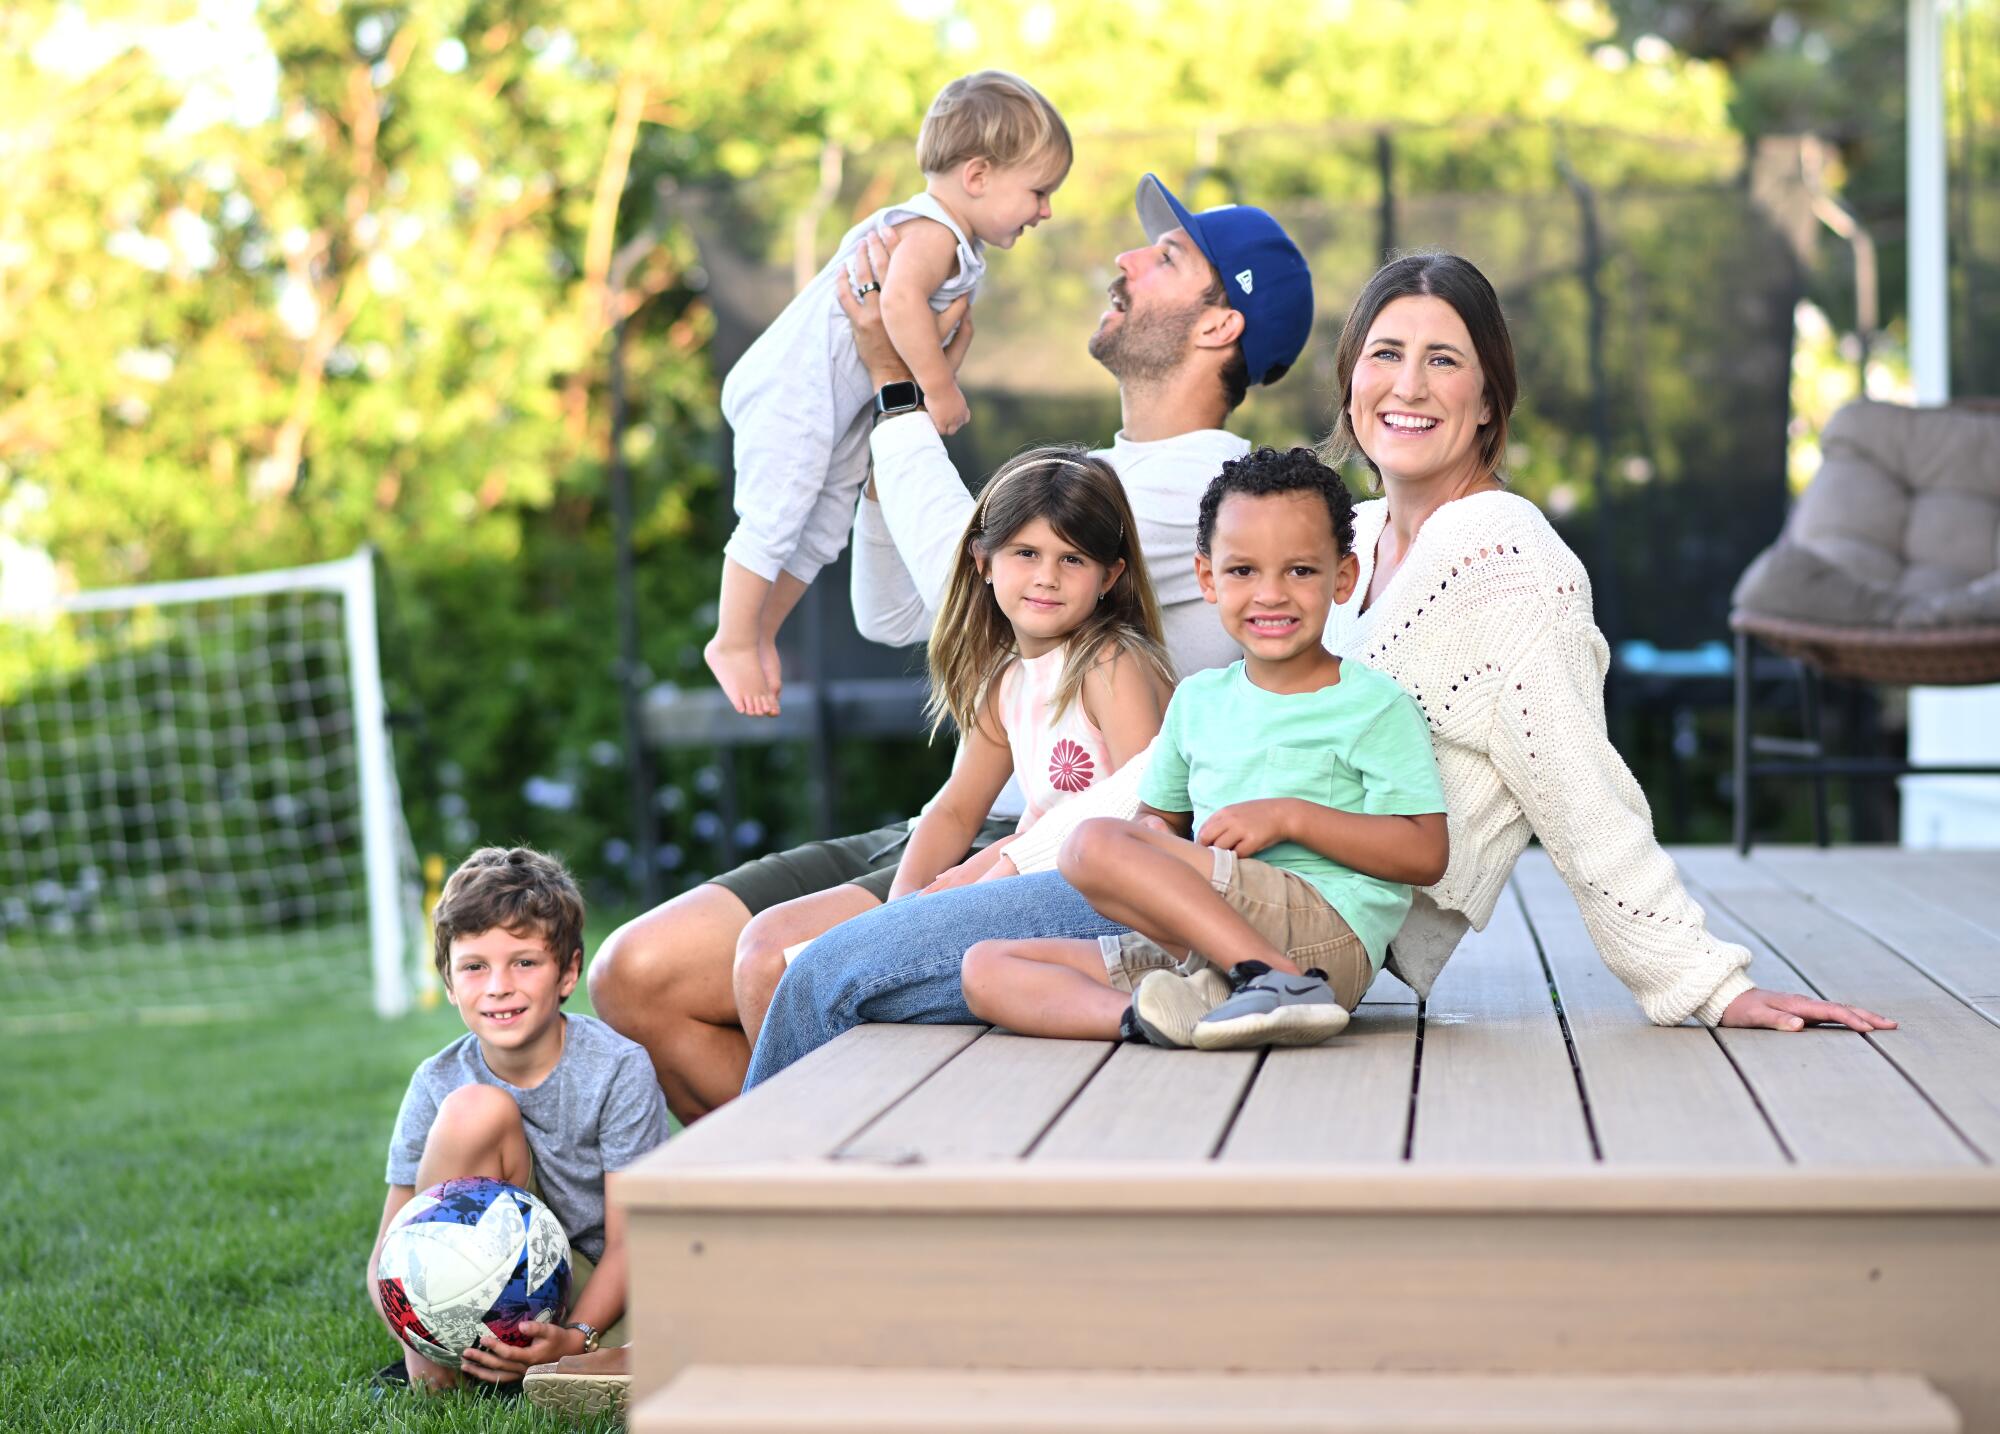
pixel 1899 528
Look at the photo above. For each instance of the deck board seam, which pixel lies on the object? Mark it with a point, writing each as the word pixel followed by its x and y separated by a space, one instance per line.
pixel 1055 1118
pixel 1942 1114
pixel 1977 923
pixel 1784 1146
pixel 1242 1099
pixel 1710 898
pixel 1416 1080
pixel 1908 1079
pixel 1887 941
pixel 1562 1021
pixel 841 1146
pixel 1777 1134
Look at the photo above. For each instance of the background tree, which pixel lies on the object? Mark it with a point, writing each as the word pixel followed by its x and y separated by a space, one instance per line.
pixel 277 282
pixel 1816 68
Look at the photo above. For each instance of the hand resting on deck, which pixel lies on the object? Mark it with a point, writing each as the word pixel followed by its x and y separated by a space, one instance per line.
pixel 1782 1011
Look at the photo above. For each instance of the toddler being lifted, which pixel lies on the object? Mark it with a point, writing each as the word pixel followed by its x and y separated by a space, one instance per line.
pixel 800 403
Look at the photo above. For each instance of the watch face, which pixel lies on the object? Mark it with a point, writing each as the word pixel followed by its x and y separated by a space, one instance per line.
pixel 897 396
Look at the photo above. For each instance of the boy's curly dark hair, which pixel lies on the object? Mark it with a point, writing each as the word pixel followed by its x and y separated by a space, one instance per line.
pixel 520 891
pixel 1267 471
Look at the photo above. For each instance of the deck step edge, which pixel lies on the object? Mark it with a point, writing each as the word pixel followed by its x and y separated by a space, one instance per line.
pixel 784 1399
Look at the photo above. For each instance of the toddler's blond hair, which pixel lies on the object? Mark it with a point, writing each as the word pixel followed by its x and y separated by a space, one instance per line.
pixel 994 116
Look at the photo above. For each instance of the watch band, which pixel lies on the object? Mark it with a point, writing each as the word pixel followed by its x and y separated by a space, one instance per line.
pixel 590 1336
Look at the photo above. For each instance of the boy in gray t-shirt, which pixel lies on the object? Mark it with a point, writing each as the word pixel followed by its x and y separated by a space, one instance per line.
pixel 530 1096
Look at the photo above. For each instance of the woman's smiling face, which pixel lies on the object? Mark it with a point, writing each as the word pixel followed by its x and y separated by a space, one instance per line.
pixel 1418 396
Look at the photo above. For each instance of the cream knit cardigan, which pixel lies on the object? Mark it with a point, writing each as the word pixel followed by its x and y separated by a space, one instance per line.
pixel 1487 624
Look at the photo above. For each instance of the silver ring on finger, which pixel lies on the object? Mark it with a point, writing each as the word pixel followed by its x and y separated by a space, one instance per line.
pixel 862 291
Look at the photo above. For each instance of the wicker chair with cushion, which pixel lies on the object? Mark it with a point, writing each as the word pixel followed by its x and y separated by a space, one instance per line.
pixel 1887 571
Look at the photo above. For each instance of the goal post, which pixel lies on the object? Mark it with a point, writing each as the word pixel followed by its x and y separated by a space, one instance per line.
pixel 381 813
pixel 198 801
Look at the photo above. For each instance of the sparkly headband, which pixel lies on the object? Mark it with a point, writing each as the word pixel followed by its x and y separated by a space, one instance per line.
pixel 1063 458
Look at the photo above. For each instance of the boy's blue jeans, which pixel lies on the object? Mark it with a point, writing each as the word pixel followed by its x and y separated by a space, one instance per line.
pixel 900 962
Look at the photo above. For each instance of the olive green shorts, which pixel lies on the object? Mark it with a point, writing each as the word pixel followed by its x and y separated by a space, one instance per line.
pixel 868 861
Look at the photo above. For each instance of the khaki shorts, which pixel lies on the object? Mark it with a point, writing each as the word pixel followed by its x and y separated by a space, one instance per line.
pixel 1282 907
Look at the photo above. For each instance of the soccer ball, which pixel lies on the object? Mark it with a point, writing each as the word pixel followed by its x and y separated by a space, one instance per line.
pixel 468 1259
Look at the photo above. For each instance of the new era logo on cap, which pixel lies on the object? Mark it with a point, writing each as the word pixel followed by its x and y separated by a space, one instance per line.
pixel 1241 240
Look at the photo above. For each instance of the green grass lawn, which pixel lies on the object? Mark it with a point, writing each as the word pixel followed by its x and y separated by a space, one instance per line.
pixel 185 1218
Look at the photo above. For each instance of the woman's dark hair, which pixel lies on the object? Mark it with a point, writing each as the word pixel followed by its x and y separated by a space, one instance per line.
pixel 1267 471
pixel 1459 283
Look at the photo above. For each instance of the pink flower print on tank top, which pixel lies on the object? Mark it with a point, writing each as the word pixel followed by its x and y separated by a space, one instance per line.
pixel 1070 767
pixel 1055 757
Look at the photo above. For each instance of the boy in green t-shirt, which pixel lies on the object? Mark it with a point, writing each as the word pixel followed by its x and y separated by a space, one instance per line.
pixel 1307 780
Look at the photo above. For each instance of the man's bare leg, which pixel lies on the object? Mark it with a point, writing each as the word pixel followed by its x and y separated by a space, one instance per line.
pixel 662 980
pixel 760 951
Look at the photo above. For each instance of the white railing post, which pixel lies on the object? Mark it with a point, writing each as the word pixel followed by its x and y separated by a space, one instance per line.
pixel 1947 724
pixel 1929 253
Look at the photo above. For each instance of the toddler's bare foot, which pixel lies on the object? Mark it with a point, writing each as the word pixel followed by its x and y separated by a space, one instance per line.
pixel 768 664
pixel 741 674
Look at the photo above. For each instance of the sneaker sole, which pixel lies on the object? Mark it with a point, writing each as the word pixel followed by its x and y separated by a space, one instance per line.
pixel 1285 1026
pixel 578 1394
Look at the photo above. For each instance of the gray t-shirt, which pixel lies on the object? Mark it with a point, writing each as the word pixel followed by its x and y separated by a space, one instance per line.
pixel 600 1109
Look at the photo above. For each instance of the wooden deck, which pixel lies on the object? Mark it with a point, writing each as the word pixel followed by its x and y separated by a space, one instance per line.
pixel 1523 1181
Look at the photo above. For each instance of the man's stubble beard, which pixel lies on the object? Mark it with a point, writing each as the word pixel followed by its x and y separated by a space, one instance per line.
pixel 1146 347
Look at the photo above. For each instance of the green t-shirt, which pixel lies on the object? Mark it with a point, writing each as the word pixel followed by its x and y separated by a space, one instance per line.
pixel 1360 745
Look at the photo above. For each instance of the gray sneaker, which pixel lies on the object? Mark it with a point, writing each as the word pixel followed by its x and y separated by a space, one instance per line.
pixel 1271 1008
pixel 1166 1004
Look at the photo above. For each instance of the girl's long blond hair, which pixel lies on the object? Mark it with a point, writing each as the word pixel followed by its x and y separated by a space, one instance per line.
pixel 1081 498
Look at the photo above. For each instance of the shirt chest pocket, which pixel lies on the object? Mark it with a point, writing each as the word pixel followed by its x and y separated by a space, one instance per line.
pixel 1312 774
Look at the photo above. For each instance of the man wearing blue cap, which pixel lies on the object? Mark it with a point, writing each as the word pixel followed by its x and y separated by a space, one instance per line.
pixel 1213 303
pixel 1255 270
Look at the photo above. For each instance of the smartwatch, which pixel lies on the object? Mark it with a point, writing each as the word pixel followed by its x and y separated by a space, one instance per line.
pixel 902 396
pixel 590 1336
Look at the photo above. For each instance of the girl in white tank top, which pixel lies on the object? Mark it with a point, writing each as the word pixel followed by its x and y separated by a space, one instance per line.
pixel 1046 654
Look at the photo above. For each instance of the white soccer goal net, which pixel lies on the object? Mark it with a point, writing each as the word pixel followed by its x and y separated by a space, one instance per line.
pixel 198 809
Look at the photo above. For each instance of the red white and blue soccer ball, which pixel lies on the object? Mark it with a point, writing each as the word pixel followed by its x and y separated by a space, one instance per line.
pixel 471 1259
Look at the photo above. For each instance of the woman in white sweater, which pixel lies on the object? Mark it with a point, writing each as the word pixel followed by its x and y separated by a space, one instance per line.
pixel 1469 600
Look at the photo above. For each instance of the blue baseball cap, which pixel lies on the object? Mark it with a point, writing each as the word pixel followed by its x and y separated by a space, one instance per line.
pixel 1262 271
